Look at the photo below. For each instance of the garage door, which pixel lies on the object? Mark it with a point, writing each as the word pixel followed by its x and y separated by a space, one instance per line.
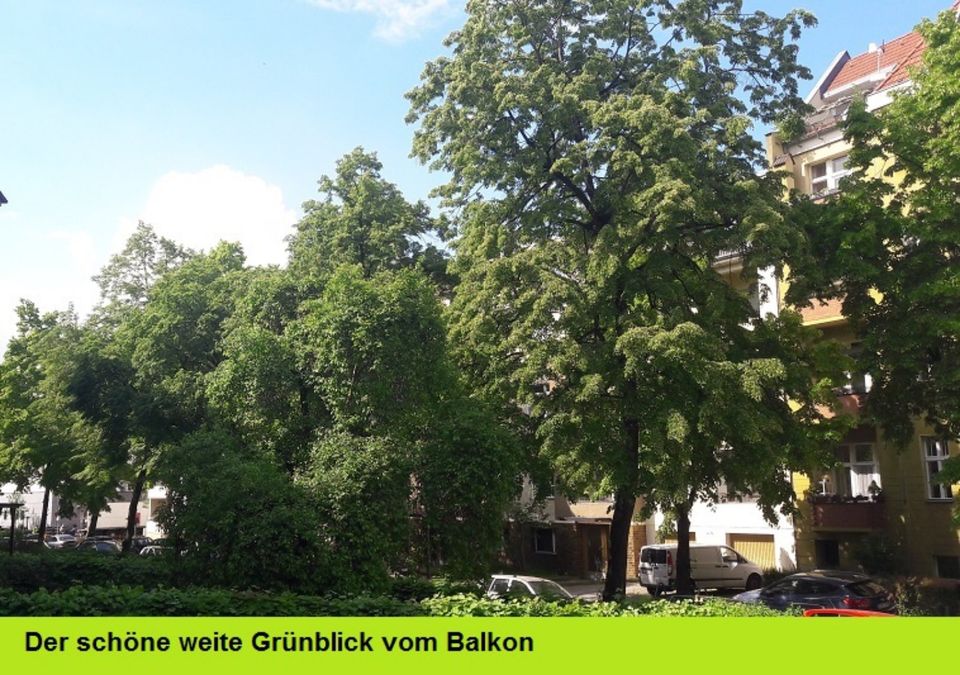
pixel 757 548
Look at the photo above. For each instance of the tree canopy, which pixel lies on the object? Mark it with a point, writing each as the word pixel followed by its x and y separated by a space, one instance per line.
pixel 600 160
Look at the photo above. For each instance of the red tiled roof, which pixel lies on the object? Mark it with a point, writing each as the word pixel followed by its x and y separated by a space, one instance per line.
pixel 900 53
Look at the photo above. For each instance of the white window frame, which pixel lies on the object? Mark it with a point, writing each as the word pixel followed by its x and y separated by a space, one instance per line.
pixel 553 541
pixel 940 448
pixel 830 181
pixel 845 470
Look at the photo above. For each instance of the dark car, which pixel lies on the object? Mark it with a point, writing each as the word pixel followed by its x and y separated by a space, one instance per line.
pixel 823 589
pixel 97 546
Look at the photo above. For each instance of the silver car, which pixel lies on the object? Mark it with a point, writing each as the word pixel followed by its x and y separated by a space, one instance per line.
pixel 507 586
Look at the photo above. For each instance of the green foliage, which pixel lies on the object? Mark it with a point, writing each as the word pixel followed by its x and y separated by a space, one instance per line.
pixel 876 554
pixel 600 159
pixel 467 471
pixel 418 588
pixel 41 437
pixel 361 486
pixel 926 597
pixel 136 601
pixel 61 570
pixel 238 519
pixel 472 606
pixel 125 281
pixel 373 348
pixel 362 220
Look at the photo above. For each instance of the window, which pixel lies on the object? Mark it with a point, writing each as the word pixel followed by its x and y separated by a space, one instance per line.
pixel 544 540
pixel 856 475
pixel 857 382
pixel 825 177
pixel 948 566
pixel 729 555
pixel 935 453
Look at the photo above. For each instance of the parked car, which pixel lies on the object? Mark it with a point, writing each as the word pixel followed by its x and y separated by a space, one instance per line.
pixel 823 589
pixel 137 544
pixel 151 551
pixel 98 546
pixel 511 586
pixel 59 541
pixel 711 566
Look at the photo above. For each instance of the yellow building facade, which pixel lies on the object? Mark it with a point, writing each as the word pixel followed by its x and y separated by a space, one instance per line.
pixel 880 499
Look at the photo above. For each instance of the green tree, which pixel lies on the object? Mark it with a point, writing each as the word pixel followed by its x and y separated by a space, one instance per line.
pixel 41 437
pixel 362 488
pixel 362 220
pixel 600 159
pixel 238 519
pixel 374 349
pixel 125 281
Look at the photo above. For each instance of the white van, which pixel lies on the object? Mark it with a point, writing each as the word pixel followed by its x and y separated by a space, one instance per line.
pixel 710 567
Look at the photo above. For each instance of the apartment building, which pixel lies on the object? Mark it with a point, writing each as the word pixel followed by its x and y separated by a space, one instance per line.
pixel 879 496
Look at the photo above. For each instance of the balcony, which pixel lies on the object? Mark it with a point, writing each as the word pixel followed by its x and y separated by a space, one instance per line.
pixel 819 314
pixel 847 515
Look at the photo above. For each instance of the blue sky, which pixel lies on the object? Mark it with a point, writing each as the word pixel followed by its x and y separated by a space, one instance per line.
pixel 214 120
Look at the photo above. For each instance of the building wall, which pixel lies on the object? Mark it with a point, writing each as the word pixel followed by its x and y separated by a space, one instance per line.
pixel 918 528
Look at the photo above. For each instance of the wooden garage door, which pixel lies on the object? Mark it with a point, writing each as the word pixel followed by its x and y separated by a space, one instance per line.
pixel 757 548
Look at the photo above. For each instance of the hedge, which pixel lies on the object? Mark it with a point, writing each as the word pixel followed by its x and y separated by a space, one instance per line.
pixel 134 601
pixel 61 570
pixel 461 605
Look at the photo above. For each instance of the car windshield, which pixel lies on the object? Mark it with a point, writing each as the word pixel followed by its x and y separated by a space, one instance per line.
pixel 550 590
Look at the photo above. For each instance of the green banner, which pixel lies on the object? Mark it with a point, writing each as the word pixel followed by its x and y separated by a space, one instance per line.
pixel 470 645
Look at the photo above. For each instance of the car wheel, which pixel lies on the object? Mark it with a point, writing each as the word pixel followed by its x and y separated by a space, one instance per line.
pixel 655 591
pixel 754 582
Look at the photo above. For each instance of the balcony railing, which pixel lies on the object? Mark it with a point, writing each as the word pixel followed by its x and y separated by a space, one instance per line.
pixel 845 514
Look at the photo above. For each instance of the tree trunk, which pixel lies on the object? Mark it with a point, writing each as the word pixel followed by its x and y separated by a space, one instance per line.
pixel 132 513
pixel 92 525
pixel 44 513
pixel 624 501
pixel 685 584
pixel 615 585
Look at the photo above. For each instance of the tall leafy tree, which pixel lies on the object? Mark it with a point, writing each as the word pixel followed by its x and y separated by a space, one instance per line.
pixel 600 160
pixel 126 280
pixel 41 437
pixel 363 220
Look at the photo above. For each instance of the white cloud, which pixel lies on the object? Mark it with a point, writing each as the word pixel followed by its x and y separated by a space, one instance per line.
pixel 397 20
pixel 218 204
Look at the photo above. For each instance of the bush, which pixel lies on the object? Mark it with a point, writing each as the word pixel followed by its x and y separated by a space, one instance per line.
pixel 461 605
pixel 134 601
pixel 876 555
pixel 137 601
pixel 418 588
pixel 925 597
pixel 60 570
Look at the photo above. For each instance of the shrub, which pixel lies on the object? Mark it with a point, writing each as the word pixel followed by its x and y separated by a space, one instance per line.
pixel 876 555
pixel 137 601
pixel 418 588
pixel 461 605
pixel 59 570
pixel 925 597
pixel 134 601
